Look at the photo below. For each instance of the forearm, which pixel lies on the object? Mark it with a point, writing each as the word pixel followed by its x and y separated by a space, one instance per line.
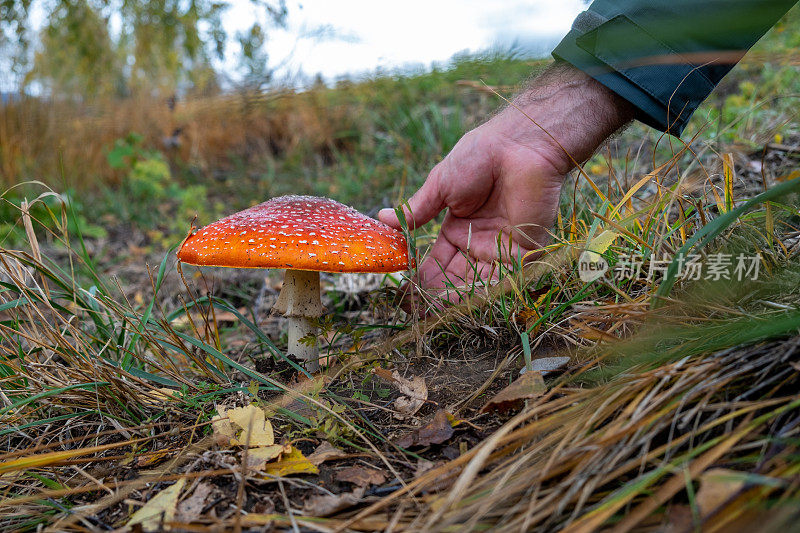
pixel 569 115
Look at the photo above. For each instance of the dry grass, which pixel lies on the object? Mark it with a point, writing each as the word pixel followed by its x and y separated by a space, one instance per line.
pixel 51 140
pixel 582 459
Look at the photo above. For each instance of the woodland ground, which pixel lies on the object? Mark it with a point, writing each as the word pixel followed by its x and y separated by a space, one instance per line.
pixel 677 408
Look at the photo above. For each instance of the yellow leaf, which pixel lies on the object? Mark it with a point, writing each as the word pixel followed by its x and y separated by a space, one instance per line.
pixel 257 458
pixel 253 427
pixel 157 396
pixel 601 243
pixel 454 422
pixel 293 462
pixel 160 508
pixel 598 245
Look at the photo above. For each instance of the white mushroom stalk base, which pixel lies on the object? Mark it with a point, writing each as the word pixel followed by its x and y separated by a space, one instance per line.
pixel 301 327
pixel 300 302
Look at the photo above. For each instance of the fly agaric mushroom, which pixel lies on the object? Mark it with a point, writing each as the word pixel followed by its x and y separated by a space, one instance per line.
pixel 305 235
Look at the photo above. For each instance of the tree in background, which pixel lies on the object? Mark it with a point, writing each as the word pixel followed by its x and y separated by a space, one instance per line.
pixel 254 58
pixel 76 55
pixel 95 48
pixel 14 40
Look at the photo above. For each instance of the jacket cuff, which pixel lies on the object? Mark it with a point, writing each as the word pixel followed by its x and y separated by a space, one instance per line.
pixel 664 87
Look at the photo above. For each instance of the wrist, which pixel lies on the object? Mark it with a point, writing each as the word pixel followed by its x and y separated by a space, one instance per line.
pixel 573 113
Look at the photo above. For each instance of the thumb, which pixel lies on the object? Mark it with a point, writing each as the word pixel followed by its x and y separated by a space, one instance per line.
pixel 425 204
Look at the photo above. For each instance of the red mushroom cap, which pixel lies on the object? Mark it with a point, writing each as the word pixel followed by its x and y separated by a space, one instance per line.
pixel 299 233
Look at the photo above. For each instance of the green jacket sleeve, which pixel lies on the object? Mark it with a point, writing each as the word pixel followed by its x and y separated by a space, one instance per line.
pixel 665 57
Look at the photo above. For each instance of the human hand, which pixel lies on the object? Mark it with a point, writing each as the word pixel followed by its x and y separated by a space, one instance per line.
pixel 504 177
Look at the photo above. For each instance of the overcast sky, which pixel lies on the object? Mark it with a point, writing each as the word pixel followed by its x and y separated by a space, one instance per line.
pixel 362 35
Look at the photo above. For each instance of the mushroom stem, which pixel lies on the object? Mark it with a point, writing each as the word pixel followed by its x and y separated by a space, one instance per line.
pixel 300 327
pixel 300 302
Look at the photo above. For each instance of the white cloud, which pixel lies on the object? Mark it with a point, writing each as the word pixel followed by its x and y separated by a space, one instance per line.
pixel 395 34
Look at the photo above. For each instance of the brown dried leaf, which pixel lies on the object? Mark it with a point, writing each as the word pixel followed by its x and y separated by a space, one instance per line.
pixel 361 476
pixel 717 486
pixel 383 373
pixel 189 509
pixel 330 503
pixel 326 452
pixel 437 431
pixel 415 392
pixel 423 465
pixel 529 385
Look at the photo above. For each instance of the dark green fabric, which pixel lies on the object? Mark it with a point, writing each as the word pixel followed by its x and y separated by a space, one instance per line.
pixel 665 57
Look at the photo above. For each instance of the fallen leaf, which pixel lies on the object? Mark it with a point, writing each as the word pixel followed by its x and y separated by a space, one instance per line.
pixel 256 429
pixel 152 459
pixel 423 465
pixel 253 428
pixel 159 509
pixel 407 407
pixel 601 242
pixel 529 385
pixel 190 509
pixel 361 476
pixel 383 373
pixel 160 395
pixel 257 458
pixel 717 485
pixel 415 392
pixel 455 421
pixel 325 452
pixel 437 431
pixel 222 428
pixel 293 462
pixel 545 365
pixel 327 504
